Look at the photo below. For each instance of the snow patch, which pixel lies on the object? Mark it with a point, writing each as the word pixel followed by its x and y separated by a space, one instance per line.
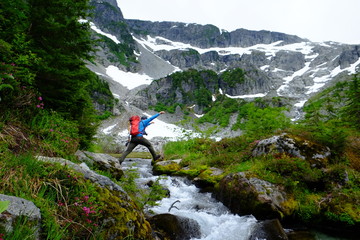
pixel 112 37
pixel 165 130
pixel 128 79
pixel 248 96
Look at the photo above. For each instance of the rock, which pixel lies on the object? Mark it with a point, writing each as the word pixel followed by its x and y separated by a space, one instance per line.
pixel 176 227
pixel 102 161
pixel 166 167
pixel 19 212
pixel 314 153
pixel 269 230
pixel 121 216
pixel 253 196
pixel 207 179
pixel 101 180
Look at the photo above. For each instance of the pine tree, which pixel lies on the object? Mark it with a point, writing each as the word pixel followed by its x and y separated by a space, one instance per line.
pixel 352 108
pixel 63 44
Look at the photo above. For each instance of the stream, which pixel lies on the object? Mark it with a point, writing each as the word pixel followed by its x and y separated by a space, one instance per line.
pixel 215 220
pixel 186 200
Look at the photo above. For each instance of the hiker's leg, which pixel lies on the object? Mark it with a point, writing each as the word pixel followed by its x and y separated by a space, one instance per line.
pixel 146 143
pixel 128 150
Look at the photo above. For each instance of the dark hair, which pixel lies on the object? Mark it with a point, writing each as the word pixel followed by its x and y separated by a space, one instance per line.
pixel 144 117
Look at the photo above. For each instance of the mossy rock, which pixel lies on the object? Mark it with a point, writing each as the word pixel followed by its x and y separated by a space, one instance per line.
pixel 167 167
pixel 122 218
pixel 209 178
pixel 251 196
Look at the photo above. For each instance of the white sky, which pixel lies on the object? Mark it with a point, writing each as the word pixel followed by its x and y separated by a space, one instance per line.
pixel 316 20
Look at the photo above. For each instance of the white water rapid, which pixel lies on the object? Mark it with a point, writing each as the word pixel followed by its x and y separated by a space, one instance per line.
pixel 215 220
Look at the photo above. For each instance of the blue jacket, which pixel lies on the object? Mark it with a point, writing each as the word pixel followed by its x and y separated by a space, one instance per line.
pixel 144 123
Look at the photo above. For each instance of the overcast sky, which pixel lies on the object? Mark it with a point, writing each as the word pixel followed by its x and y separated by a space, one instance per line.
pixel 316 20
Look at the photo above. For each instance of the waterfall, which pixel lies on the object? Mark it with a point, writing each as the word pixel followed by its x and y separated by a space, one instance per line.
pixel 186 200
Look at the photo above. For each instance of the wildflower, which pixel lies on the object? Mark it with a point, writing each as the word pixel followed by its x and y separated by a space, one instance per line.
pixel 86 198
pixel 51 130
pixel 86 210
pixel 40 98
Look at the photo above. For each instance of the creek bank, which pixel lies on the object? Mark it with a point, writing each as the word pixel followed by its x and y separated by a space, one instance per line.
pixel 246 193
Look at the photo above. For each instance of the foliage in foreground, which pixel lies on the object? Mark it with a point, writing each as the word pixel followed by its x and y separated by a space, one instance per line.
pixel 71 206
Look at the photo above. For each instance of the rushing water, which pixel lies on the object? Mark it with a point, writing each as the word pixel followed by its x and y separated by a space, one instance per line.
pixel 215 220
pixel 186 200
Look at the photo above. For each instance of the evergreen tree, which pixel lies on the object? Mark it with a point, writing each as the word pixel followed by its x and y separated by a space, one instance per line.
pixel 62 43
pixel 16 56
pixel 352 108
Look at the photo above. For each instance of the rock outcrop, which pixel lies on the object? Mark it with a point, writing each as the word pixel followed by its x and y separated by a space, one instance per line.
pixel 102 161
pixel 247 195
pixel 20 212
pixel 316 154
pixel 120 215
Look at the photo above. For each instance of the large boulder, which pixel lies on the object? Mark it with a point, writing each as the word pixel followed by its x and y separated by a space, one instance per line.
pixel 20 212
pixel 245 196
pixel 102 161
pixel 316 154
pixel 175 227
pixel 120 214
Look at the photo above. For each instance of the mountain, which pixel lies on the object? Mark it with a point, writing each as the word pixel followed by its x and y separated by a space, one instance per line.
pixel 274 65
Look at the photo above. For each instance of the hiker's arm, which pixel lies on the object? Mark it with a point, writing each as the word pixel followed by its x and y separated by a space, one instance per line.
pixel 153 117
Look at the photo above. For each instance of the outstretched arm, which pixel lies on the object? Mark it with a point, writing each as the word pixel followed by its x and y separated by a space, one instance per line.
pixel 147 121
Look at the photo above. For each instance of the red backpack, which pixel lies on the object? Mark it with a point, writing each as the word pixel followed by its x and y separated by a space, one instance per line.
pixel 134 125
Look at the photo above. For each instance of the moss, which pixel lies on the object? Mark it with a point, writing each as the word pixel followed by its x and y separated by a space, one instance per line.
pixel 289 206
pixel 170 168
pixel 210 177
pixel 122 217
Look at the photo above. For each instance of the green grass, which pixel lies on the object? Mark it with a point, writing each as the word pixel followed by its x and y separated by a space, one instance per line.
pixel 308 186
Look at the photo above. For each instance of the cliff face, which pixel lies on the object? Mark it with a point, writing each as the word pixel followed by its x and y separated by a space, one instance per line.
pixel 207 36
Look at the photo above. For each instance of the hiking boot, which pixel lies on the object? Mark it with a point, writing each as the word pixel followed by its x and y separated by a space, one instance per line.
pixel 157 157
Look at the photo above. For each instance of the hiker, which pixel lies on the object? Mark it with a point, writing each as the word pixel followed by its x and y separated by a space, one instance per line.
pixel 139 138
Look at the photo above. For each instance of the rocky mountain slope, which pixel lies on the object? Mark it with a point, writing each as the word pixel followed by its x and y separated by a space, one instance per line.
pixel 275 64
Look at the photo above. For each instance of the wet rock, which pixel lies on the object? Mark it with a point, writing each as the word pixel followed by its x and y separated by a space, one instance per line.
pixel 251 196
pixel 175 227
pixel 269 230
pixel 20 211
pixel 208 178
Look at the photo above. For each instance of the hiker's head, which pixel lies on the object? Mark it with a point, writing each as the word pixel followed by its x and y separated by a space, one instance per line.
pixel 144 117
